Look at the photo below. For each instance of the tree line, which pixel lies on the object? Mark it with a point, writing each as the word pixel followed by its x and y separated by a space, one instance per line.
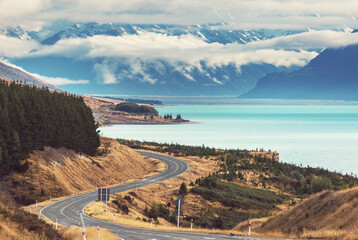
pixel 32 118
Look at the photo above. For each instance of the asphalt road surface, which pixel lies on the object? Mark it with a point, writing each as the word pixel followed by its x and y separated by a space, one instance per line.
pixel 67 211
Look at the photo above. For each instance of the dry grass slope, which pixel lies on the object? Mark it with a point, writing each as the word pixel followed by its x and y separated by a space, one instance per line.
pixel 328 215
pixel 60 172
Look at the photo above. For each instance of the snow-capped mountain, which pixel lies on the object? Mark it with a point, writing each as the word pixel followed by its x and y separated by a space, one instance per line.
pixel 208 33
pixel 155 76
pixel 332 75
pixel 19 33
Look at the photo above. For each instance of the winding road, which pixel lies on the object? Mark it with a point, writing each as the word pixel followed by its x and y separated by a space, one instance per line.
pixel 67 211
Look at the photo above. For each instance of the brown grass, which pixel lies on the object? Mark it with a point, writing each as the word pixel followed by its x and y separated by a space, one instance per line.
pixel 327 215
pixel 104 109
pixel 162 192
pixel 60 172
pixel 74 233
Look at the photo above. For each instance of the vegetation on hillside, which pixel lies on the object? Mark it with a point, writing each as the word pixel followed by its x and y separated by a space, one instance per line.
pixel 17 224
pixel 32 118
pixel 136 109
pixel 234 163
pixel 236 196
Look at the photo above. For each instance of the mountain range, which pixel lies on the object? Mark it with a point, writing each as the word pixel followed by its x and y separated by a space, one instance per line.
pixel 332 75
pixel 154 76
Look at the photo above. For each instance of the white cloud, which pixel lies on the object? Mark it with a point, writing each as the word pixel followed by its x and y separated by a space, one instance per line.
pixel 242 13
pixel 58 81
pixel 13 47
pixel 281 51
pixel 105 72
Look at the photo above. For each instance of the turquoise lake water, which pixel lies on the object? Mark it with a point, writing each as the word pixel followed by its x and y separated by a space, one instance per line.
pixel 324 136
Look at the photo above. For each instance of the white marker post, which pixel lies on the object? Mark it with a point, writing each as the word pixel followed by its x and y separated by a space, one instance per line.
pixel 191 225
pixel 178 212
pixel 114 217
pixel 83 228
pixel 249 229
pixel 50 199
pixel 36 203
pixel 79 226
pixel 106 200
pixel 101 199
pixel 99 234
pixel 30 210
pixel 151 223
pixel 56 223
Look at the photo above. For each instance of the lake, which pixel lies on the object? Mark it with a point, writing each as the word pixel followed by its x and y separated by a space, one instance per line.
pixel 323 135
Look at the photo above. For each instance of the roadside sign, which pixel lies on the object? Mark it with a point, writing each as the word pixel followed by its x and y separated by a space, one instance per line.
pixel 181 213
pixel 103 194
pixel 176 202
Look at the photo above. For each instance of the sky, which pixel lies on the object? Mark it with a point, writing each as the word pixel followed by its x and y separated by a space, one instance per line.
pixel 243 14
pixel 321 17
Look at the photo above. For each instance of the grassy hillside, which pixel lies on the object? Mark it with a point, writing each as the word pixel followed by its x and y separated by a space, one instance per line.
pixel 325 215
pixel 251 185
pixel 61 172
pixel 15 223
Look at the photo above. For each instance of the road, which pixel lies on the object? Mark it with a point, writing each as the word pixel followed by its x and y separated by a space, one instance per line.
pixel 67 211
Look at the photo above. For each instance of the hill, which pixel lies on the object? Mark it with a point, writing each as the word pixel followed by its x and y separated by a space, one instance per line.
pixel 332 75
pixel 60 172
pixel 15 223
pixel 15 74
pixel 327 215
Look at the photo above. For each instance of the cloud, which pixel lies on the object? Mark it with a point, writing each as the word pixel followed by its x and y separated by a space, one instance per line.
pixel 246 14
pixel 58 81
pixel 105 72
pixel 281 51
pixel 13 47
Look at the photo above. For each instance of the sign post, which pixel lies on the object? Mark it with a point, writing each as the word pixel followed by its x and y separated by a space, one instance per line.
pixel 178 212
pixel 83 227
pixel 179 202
pixel 106 199
pixel 249 228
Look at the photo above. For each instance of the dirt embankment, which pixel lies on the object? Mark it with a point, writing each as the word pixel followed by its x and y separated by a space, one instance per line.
pixel 326 215
pixel 104 113
pixel 60 172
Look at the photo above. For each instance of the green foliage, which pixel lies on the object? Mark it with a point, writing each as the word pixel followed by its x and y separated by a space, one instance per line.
pixel 183 190
pixel 31 118
pixel 136 109
pixel 227 219
pixel 320 184
pixel 288 177
pixel 171 148
pixel 157 210
pixel 236 196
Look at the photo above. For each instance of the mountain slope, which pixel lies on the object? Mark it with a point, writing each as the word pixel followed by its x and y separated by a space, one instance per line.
pixel 321 215
pixel 152 76
pixel 15 74
pixel 59 172
pixel 208 33
pixel 331 75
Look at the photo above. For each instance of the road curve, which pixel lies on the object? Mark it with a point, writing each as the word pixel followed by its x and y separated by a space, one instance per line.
pixel 66 211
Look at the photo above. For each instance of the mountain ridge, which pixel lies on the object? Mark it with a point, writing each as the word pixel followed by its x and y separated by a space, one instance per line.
pixel 329 76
